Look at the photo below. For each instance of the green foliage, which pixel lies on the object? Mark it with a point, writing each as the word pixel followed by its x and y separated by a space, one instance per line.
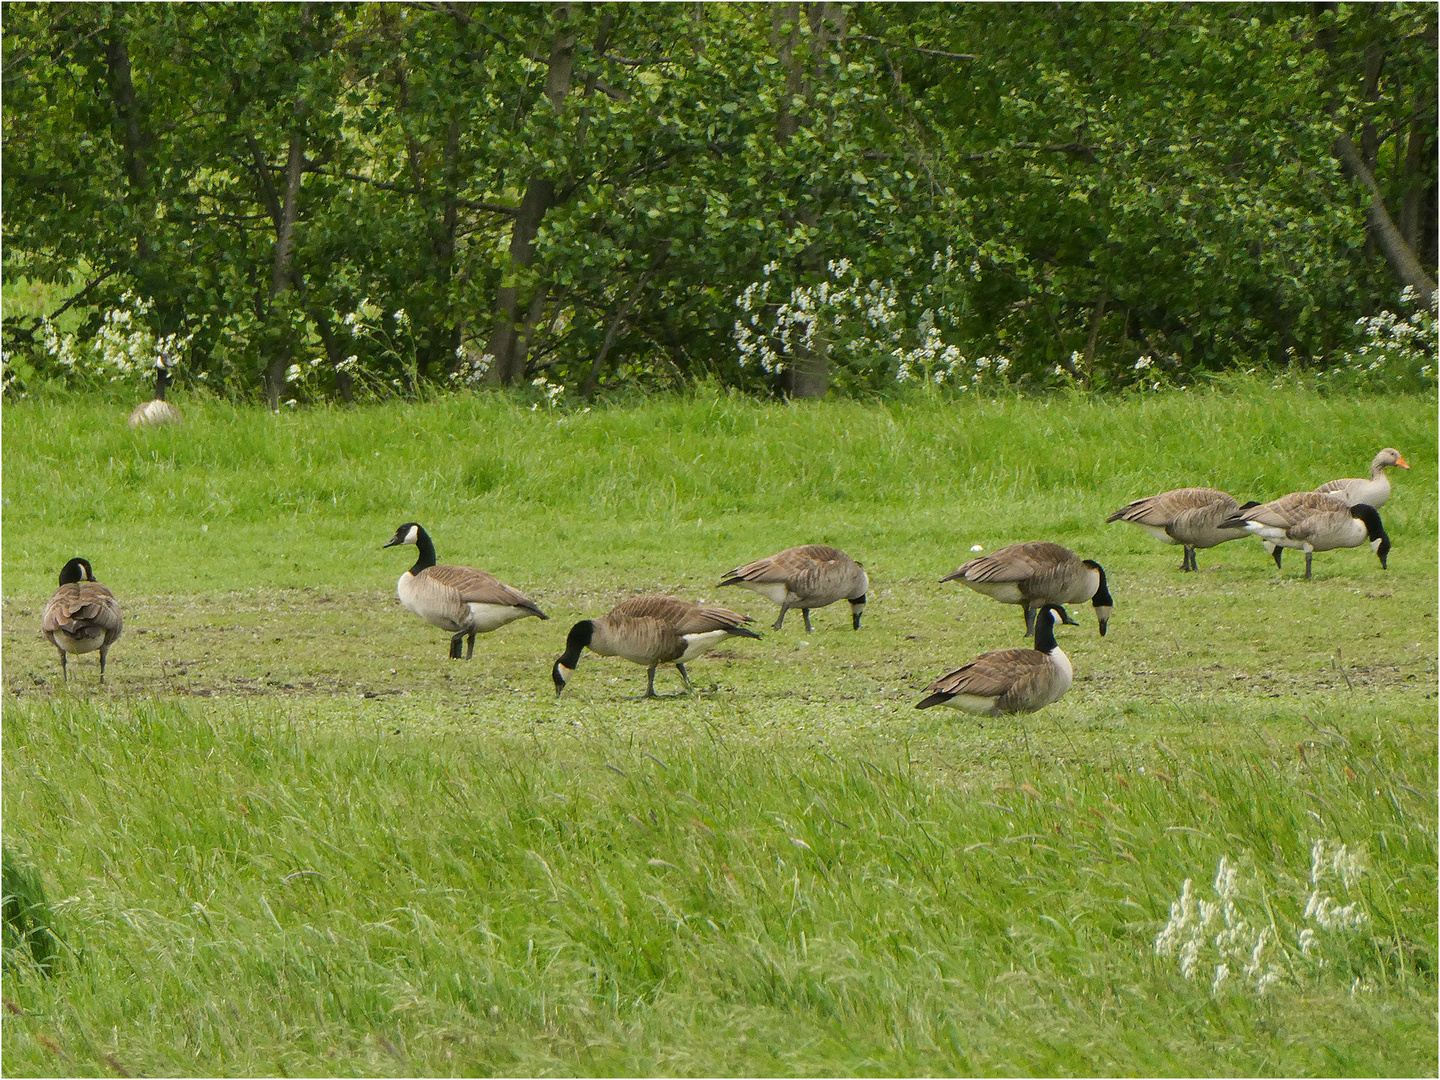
pixel 30 938
pixel 1068 188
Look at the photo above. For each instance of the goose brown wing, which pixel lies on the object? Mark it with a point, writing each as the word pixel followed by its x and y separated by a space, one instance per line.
pixel 83 606
pixel 1290 510
pixel 1160 510
pixel 472 586
pixel 993 674
pixel 1018 562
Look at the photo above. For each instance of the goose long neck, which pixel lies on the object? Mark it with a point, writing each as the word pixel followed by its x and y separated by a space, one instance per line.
pixel 581 634
pixel 162 380
pixel 426 547
pixel 1044 631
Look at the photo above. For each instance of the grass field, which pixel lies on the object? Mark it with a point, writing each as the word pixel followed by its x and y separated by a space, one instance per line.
pixel 289 836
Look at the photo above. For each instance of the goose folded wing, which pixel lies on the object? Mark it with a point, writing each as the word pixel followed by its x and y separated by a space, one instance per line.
pixel 471 586
pixel 992 674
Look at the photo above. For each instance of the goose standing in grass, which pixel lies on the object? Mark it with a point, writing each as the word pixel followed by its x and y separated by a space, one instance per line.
pixel 1311 522
pixel 1007 681
pixel 158 411
pixel 458 599
pixel 650 631
pixel 1374 491
pixel 1190 517
pixel 82 615
pixel 1039 573
pixel 812 576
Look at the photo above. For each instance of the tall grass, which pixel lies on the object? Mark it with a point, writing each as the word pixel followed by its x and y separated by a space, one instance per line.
pixel 288 835
pixel 273 899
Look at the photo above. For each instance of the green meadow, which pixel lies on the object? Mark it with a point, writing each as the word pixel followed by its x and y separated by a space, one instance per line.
pixel 289 836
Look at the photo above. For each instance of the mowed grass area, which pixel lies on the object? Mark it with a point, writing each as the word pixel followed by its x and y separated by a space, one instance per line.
pixel 288 835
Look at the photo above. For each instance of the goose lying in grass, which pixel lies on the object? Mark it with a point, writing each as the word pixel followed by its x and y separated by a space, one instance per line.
pixel 1008 681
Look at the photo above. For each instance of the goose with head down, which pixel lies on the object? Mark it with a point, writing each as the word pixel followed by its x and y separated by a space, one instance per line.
pixel 1189 517
pixel 1311 522
pixel 650 631
pixel 1035 574
pixel 812 576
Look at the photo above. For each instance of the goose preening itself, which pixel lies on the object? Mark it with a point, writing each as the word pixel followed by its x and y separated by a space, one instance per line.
pixel 1311 522
pixel 1190 517
pixel 1009 681
pixel 1373 491
pixel 82 615
pixel 650 631
pixel 1036 574
pixel 158 411
pixel 812 576
pixel 458 599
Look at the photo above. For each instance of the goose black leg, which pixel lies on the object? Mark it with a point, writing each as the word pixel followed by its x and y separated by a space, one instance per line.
pixel 781 620
pixel 1307 564
pixel 806 612
pixel 686 676
pixel 650 687
pixel 1029 621
pixel 470 645
pixel 455 645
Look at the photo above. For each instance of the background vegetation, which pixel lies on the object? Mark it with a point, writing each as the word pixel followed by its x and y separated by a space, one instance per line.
pixel 289 835
pixel 327 200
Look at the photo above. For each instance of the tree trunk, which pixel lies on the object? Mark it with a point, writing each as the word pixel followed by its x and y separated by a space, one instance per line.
pixel 1398 254
pixel 133 138
pixel 505 365
pixel 282 349
pixel 1087 370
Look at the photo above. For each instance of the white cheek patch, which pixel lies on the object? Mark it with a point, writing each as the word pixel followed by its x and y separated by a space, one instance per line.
pixel 698 644
pixel 413 536
pixel 1375 545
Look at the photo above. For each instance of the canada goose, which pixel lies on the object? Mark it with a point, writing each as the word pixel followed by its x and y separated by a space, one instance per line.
pixel 1376 490
pixel 1187 516
pixel 1036 574
pixel 651 630
pixel 82 615
pixel 158 411
pixel 812 576
pixel 459 599
pixel 1312 522
pixel 1009 680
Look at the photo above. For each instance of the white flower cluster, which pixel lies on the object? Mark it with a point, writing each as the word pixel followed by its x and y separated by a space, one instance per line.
pixel 1188 935
pixel 1391 343
pixel 1202 933
pixel 553 391
pixel 861 321
pixel 471 371
pixel 124 347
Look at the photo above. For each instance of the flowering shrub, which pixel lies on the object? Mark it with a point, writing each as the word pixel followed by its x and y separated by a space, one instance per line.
pixel 1394 351
pixel 125 348
pixel 1234 938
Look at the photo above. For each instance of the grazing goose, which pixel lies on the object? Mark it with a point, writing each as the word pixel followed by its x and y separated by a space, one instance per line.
pixel 812 576
pixel 1036 574
pixel 651 630
pixel 1312 522
pixel 1187 516
pixel 82 615
pixel 458 599
pixel 158 411
pixel 1376 490
pixel 1008 681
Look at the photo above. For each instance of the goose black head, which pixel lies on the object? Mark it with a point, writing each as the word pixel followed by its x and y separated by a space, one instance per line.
pixel 1379 539
pixel 581 634
pixel 1102 601
pixel 409 533
pixel 76 570
pixel 857 608
pixel 1046 619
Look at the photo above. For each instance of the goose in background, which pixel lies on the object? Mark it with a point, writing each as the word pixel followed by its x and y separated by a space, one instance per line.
pixel 1311 522
pixel 1007 681
pixel 1036 574
pixel 458 599
pixel 158 411
pixel 650 631
pixel 1376 490
pixel 812 576
pixel 82 615
pixel 1190 517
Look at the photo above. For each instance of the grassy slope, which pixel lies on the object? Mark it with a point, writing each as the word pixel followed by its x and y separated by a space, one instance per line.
pixel 505 882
